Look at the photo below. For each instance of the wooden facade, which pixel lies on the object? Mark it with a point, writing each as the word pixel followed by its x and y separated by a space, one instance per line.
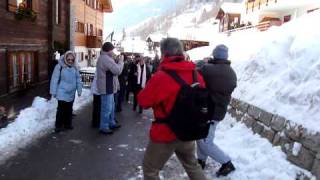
pixel 27 43
pixel 191 44
pixel 252 5
pixel 23 44
pixel 87 26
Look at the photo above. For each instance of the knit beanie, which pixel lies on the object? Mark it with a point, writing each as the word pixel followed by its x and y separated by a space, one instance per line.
pixel 171 47
pixel 108 46
pixel 220 52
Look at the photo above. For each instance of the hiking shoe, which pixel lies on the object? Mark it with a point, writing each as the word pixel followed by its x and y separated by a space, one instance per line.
pixel 106 132
pixel 115 127
pixel 202 163
pixel 225 169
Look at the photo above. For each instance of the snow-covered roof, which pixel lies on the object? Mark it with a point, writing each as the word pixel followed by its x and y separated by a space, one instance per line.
pixel 233 8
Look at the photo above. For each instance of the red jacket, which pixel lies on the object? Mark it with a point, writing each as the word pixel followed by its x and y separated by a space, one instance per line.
pixel 161 91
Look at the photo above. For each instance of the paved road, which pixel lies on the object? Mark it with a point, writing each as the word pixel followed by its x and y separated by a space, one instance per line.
pixel 84 154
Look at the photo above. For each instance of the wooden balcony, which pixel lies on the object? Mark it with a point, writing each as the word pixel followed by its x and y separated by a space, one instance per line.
pixel 252 5
pixel 262 26
pixel 106 5
pixel 94 41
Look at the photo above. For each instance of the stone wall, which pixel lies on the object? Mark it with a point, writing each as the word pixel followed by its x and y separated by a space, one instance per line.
pixel 301 147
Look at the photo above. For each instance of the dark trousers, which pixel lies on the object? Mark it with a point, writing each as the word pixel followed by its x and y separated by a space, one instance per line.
pixel 127 91
pixel 64 114
pixel 135 100
pixel 120 98
pixel 96 109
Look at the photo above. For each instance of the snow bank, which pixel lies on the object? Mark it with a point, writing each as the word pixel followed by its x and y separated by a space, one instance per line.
pixel 32 123
pixel 254 157
pixel 278 70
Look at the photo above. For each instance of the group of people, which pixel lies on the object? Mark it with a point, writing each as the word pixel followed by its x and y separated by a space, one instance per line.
pixel 160 94
pixel 117 76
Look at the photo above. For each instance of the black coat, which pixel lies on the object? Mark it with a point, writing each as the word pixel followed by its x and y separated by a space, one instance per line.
pixel 134 78
pixel 221 80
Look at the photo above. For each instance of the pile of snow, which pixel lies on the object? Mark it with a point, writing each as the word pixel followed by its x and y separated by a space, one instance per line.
pixel 32 123
pixel 253 156
pixel 278 70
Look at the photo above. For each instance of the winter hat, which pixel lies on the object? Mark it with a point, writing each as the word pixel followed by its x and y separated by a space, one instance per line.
pixel 171 47
pixel 220 52
pixel 108 46
pixel 66 55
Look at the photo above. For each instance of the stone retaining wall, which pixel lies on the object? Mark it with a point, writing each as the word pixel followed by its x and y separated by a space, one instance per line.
pixel 281 132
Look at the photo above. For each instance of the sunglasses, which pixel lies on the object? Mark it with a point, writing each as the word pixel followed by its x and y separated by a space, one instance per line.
pixel 70 59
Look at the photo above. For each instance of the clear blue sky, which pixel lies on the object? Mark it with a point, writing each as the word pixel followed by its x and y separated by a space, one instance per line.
pixel 127 13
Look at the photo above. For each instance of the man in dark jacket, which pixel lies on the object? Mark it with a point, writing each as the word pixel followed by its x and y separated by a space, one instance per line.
pixel 142 75
pixel 221 80
pixel 160 93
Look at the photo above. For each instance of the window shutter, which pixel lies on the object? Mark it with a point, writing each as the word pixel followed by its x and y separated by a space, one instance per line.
pixel 36 5
pixel 12 5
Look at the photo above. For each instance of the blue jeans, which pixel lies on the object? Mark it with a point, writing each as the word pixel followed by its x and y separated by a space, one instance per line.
pixel 206 147
pixel 107 112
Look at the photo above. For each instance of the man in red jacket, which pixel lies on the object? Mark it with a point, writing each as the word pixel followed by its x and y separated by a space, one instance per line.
pixel 160 94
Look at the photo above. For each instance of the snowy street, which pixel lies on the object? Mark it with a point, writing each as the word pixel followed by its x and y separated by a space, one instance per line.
pixel 84 154
pixel 67 69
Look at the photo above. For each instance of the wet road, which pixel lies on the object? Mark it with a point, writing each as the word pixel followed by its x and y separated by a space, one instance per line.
pixel 83 153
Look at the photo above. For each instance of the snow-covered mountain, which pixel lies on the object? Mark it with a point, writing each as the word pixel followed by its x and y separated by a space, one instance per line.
pixel 188 18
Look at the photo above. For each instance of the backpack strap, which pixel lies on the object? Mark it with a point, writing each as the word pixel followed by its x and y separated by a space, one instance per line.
pixel 176 77
pixel 59 80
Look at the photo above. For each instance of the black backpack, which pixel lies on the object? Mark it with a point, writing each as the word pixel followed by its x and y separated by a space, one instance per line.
pixel 192 112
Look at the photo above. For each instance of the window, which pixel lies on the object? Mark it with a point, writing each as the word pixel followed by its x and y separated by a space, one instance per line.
pixel 21 69
pixel 79 27
pixel 90 30
pixel 286 18
pixel 14 4
pixel 100 32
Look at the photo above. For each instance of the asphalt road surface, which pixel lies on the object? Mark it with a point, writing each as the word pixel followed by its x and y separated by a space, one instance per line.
pixel 83 153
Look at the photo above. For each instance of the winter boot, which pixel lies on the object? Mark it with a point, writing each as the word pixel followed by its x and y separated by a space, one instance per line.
pixel 202 163
pixel 106 132
pixel 225 169
pixel 115 127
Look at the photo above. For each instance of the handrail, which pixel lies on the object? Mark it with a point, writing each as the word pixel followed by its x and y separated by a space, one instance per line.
pixel 263 26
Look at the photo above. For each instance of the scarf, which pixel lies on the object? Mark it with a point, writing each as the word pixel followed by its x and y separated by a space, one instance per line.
pixel 142 80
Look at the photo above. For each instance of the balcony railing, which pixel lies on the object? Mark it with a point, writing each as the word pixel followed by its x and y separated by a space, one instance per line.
pixel 251 5
pixel 263 26
pixel 94 41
